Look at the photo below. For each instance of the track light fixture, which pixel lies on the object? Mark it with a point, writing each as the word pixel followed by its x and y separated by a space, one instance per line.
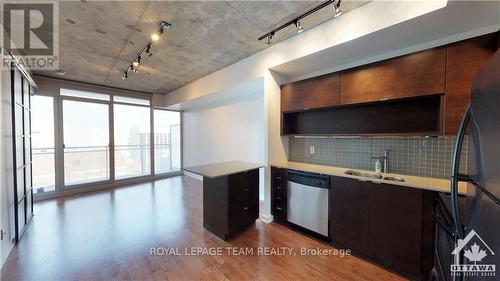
pixel 134 66
pixel 136 62
pixel 296 21
pixel 269 38
pixel 299 27
pixel 336 9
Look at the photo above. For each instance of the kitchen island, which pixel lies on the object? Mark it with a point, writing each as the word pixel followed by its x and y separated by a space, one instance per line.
pixel 230 196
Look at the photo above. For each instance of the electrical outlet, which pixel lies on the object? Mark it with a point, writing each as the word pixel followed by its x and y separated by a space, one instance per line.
pixel 311 149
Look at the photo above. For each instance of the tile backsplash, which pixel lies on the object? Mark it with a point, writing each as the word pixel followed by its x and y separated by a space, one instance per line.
pixel 417 156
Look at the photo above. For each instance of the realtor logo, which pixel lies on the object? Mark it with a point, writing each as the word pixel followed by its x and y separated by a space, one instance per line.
pixel 475 251
pixel 31 33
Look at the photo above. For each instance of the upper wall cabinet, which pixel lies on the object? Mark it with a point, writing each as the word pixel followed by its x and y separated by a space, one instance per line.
pixel 417 74
pixel 464 60
pixel 321 91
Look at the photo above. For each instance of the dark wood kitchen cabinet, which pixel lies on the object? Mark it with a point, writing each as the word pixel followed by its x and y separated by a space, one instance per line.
pixel 230 203
pixel 463 61
pixel 349 218
pixel 317 92
pixel 279 194
pixel 396 227
pixel 391 225
pixel 412 75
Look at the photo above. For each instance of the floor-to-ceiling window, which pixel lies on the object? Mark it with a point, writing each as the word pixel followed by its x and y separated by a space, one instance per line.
pixel 167 141
pixel 43 146
pixel 132 130
pixel 87 138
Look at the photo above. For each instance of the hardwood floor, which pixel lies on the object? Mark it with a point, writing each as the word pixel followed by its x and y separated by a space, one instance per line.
pixel 107 235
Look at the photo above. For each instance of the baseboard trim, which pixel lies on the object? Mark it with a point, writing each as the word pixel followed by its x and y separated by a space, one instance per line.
pixel 267 218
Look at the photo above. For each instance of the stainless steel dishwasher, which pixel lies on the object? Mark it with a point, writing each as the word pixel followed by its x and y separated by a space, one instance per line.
pixel 308 201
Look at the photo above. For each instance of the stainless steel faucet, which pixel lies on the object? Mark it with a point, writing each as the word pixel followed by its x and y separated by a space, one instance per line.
pixel 385 160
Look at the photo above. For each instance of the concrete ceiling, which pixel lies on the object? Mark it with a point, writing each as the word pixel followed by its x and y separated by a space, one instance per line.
pixel 99 39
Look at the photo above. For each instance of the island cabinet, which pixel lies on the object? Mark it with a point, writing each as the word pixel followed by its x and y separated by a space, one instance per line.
pixel 464 59
pixel 230 203
pixel 279 194
pixel 391 225
pixel 317 92
pixel 412 75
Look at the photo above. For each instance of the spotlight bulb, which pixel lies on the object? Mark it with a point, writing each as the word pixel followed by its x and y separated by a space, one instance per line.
pixel 155 36
pixel 136 62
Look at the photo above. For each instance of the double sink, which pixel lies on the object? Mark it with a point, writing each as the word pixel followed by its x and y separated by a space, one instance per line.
pixel 373 176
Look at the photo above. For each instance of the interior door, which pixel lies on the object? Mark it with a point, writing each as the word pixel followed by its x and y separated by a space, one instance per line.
pixel 23 195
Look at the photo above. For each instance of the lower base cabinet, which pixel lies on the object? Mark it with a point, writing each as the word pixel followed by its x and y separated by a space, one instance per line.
pixel 391 225
pixel 230 203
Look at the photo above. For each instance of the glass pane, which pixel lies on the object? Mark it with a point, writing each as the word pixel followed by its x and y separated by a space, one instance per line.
pixel 42 132
pixel 132 140
pixel 20 183
pixel 131 100
pixel 83 94
pixel 86 142
pixel 167 141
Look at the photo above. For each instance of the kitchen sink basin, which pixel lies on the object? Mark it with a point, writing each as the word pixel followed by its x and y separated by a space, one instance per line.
pixel 399 179
pixel 363 174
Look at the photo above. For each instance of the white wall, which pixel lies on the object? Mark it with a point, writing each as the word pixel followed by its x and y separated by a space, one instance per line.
pixel 6 171
pixel 226 130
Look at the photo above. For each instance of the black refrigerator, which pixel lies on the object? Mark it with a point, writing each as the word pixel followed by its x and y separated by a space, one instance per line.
pixel 475 225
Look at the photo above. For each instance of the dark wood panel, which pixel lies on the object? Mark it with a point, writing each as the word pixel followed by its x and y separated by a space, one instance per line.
pixel 215 205
pixel 410 116
pixel 321 91
pixel 279 194
pixel 396 227
pixel 464 60
pixel 349 219
pixel 416 74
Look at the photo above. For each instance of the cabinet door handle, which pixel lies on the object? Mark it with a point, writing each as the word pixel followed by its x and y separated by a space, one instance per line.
pixel 278 178
pixel 245 208
pixel 278 208
pixel 246 189
pixel 278 197
pixel 278 187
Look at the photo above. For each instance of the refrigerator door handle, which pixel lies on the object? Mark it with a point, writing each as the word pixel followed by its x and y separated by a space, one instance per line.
pixel 455 176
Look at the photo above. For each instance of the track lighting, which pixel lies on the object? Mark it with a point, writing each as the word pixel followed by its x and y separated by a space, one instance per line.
pixel 336 9
pixel 134 66
pixel 299 27
pixel 336 12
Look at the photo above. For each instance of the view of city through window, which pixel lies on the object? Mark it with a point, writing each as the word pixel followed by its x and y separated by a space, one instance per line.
pixel 87 159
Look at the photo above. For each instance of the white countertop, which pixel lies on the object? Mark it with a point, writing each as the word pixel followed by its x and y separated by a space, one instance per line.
pixel 441 185
pixel 223 168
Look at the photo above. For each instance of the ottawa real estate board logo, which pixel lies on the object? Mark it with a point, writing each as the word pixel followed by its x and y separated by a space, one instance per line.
pixel 30 34
pixel 478 255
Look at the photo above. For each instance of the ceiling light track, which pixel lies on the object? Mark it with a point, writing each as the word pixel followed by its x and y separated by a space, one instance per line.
pixel 296 21
pixel 134 66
